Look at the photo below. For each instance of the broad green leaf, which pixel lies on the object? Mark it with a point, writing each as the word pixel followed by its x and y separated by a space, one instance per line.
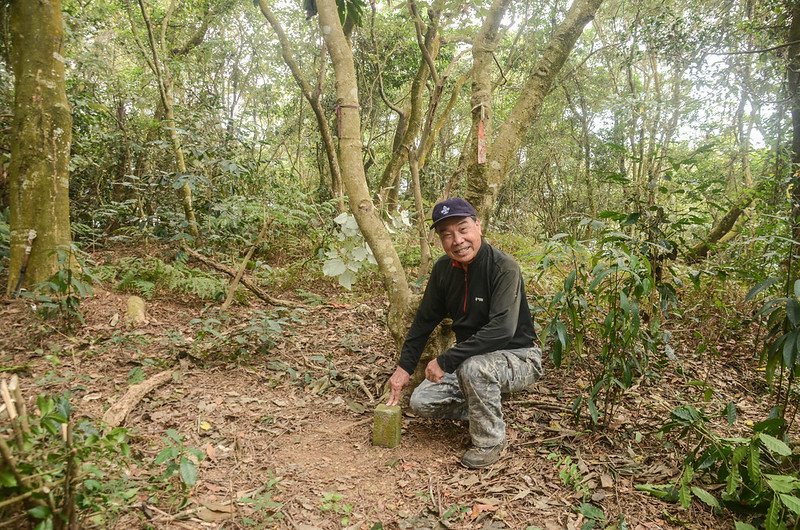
pixel 7 479
pixel 175 435
pixel 188 472
pixel 569 282
pixel 774 445
pixel 705 496
pixel 591 511
pixel 782 483
pixel 793 311
pixel 599 278
pixel 562 334
pixel 744 526
pixel 593 411
pixel 733 480
pixel 760 287
pixel 556 354
pixel 333 267
pixel 346 279
pixel 165 454
pixel 47 524
pixel 790 348
pixel 359 253
pixel 661 491
pixel 797 288
pixel 773 519
pixel 39 512
pixel 686 414
pixel 754 464
pixel 685 496
pixel 730 412
pixel 791 502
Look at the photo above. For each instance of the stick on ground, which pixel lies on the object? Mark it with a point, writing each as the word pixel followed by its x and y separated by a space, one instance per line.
pixel 258 291
pixel 115 415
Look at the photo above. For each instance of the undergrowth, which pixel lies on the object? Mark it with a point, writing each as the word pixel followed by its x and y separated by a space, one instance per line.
pixel 150 277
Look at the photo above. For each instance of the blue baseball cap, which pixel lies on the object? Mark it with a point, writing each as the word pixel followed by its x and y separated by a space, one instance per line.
pixel 452 207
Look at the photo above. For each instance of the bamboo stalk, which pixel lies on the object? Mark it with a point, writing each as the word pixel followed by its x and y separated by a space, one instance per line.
pixel 22 410
pixel 68 505
pixel 12 413
pixel 5 452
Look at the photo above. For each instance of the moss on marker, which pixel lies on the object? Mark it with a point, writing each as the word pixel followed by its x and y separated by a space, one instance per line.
pixel 386 426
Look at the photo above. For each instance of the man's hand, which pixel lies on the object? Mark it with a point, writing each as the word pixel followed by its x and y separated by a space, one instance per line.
pixel 434 372
pixel 397 382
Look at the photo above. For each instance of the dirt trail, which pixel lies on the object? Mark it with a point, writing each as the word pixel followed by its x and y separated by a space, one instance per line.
pixel 294 425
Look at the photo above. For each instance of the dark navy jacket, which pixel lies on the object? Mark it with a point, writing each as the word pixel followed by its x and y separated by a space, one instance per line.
pixel 486 302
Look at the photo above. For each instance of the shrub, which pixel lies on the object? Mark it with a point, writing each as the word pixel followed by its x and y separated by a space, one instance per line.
pixel 56 471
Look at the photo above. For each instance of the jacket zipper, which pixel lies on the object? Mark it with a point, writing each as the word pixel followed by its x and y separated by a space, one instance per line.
pixel 466 290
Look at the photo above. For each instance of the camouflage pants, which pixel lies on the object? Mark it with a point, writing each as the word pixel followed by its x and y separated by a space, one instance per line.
pixel 475 390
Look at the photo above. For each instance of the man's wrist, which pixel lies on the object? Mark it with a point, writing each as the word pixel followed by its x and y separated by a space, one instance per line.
pixel 442 363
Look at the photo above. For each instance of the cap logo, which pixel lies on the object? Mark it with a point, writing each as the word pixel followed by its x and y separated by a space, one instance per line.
pixel 445 209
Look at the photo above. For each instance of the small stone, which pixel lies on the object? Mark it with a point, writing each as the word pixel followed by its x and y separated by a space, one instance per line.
pixel 386 426
pixel 135 314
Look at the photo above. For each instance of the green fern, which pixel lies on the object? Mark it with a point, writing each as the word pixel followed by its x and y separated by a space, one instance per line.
pixel 130 283
pixel 150 276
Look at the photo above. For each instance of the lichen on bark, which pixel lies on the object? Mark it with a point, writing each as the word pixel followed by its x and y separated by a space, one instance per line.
pixel 41 138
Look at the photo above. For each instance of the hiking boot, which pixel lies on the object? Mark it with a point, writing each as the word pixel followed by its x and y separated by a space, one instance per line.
pixel 480 457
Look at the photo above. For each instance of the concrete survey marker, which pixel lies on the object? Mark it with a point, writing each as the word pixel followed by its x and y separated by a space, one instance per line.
pixel 386 426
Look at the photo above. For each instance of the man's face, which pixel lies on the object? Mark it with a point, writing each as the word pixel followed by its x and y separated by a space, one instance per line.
pixel 461 238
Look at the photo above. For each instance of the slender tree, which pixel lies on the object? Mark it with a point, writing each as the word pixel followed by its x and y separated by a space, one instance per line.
pixel 490 156
pixel 353 175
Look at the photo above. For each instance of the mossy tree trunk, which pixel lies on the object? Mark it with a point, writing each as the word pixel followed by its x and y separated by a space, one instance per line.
pixel 41 136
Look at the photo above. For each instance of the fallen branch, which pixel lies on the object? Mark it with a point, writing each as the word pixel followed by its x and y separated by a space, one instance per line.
pixel 115 415
pixel 236 279
pixel 255 289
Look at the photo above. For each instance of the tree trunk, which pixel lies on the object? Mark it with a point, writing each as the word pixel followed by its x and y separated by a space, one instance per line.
pixel 486 177
pixel 41 136
pixel 478 185
pixel 720 229
pixel 353 175
pixel 793 78
pixel 165 86
pixel 314 98
pixel 412 124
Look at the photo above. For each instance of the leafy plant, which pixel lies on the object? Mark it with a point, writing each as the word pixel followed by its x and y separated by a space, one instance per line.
pixel 55 471
pixel 180 459
pixel 265 509
pixel 60 296
pixel 760 473
pixel 348 254
pixel 781 347
pixel 569 474
pixel 608 296
pixel 217 336
pixel 332 502
pixel 595 517
pixel 149 276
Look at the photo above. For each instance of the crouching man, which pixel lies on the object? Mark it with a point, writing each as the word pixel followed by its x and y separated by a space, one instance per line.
pixel 481 289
